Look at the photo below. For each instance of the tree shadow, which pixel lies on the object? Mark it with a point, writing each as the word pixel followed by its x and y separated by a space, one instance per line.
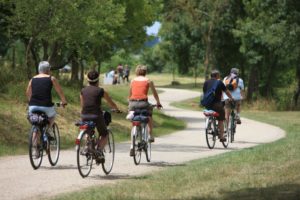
pixel 278 192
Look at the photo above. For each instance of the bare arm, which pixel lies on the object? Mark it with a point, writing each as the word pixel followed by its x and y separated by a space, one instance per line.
pixel 228 94
pixel 29 91
pixel 81 101
pixel 110 101
pixel 59 90
pixel 154 92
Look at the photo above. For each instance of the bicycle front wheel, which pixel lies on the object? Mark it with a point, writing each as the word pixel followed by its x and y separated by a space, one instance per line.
pixel 35 147
pixel 148 144
pixel 226 135
pixel 210 133
pixel 109 153
pixel 54 145
pixel 84 157
pixel 136 141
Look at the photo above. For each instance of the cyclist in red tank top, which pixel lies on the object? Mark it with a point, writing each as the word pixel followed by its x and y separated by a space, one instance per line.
pixel 138 96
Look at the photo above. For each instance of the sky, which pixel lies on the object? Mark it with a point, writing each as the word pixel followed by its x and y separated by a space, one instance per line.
pixel 153 30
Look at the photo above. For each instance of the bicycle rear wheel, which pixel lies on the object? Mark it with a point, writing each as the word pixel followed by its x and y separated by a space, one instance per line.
pixel 35 147
pixel 109 153
pixel 136 141
pixel 84 157
pixel 54 145
pixel 226 135
pixel 210 133
pixel 231 127
pixel 147 148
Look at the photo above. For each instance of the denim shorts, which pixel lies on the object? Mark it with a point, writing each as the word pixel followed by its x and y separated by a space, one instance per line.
pixel 50 111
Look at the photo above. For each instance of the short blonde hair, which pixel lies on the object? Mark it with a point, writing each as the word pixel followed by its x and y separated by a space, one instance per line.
pixel 141 70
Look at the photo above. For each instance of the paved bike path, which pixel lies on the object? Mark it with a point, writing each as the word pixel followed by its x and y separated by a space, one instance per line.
pixel 19 181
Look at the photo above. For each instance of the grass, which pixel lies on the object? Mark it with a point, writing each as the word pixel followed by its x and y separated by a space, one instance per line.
pixel 14 126
pixel 269 171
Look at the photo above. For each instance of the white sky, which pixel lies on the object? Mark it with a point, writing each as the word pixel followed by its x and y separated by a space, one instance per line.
pixel 153 30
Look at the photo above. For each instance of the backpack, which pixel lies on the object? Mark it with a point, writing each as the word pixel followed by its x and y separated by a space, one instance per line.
pixel 231 83
pixel 209 96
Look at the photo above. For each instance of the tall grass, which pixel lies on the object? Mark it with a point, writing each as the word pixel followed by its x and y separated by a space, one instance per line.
pixel 14 126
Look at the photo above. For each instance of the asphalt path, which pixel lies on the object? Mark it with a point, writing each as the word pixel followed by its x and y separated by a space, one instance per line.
pixel 19 181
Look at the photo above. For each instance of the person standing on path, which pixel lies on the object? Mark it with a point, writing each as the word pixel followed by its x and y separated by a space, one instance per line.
pixel 120 70
pixel 217 104
pixel 126 74
pixel 138 97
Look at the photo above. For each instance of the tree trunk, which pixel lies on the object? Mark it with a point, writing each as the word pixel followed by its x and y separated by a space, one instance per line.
pixel 252 84
pixel 297 92
pixel 28 45
pixel 207 61
pixel 81 73
pixel 75 68
pixel 35 58
pixel 45 49
pixel 14 56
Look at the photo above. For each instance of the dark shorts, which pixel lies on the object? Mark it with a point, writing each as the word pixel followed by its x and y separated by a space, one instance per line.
pixel 99 120
pixel 134 105
pixel 219 108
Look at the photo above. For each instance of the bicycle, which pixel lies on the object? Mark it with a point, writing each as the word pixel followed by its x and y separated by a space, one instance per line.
pixel 87 148
pixel 43 138
pixel 232 120
pixel 212 131
pixel 140 133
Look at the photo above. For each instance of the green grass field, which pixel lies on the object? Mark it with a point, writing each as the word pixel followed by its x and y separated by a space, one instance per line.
pixel 269 171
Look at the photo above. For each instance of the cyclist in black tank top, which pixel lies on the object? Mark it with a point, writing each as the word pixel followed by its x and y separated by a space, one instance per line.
pixel 90 101
pixel 39 92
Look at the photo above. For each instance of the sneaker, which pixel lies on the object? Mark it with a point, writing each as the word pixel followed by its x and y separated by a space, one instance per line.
pixel 35 152
pixel 238 119
pixel 99 157
pixel 131 152
pixel 151 139
pixel 222 139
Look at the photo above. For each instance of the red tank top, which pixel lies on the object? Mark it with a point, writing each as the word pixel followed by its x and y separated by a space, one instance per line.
pixel 139 89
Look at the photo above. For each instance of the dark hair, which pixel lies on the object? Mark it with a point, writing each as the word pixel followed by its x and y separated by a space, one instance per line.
pixel 214 73
pixel 93 77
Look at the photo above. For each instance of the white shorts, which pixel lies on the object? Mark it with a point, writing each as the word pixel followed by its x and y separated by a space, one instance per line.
pixel 50 111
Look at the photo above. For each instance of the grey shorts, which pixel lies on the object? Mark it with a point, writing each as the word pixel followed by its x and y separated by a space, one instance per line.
pixel 228 105
pixel 134 105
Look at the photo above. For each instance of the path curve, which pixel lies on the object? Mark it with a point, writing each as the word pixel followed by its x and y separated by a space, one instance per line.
pixel 19 181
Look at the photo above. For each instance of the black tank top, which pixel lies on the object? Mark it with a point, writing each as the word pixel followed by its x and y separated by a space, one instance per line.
pixel 41 92
pixel 92 96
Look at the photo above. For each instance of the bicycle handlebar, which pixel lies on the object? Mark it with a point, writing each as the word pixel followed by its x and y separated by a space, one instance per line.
pixel 59 104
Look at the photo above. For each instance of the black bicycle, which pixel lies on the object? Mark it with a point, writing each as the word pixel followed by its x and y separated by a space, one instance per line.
pixel 212 131
pixel 232 120
pixel 88 150
pixel 43 140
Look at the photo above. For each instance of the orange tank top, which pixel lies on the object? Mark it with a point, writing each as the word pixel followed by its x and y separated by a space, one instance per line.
pixel 139 89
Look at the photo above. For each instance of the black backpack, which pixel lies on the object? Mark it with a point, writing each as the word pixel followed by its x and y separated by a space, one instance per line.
pixel 209 96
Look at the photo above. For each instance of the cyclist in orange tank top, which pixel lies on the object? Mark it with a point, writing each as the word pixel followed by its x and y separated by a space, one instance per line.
pixel 138 96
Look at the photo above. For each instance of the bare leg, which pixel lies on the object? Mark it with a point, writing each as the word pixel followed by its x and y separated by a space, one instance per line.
pixel 221 129
pixel 102 142
pixel 150 124
pixel 51 121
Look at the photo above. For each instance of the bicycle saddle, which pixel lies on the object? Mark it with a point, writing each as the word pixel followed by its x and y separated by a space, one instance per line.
pixel 211 113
